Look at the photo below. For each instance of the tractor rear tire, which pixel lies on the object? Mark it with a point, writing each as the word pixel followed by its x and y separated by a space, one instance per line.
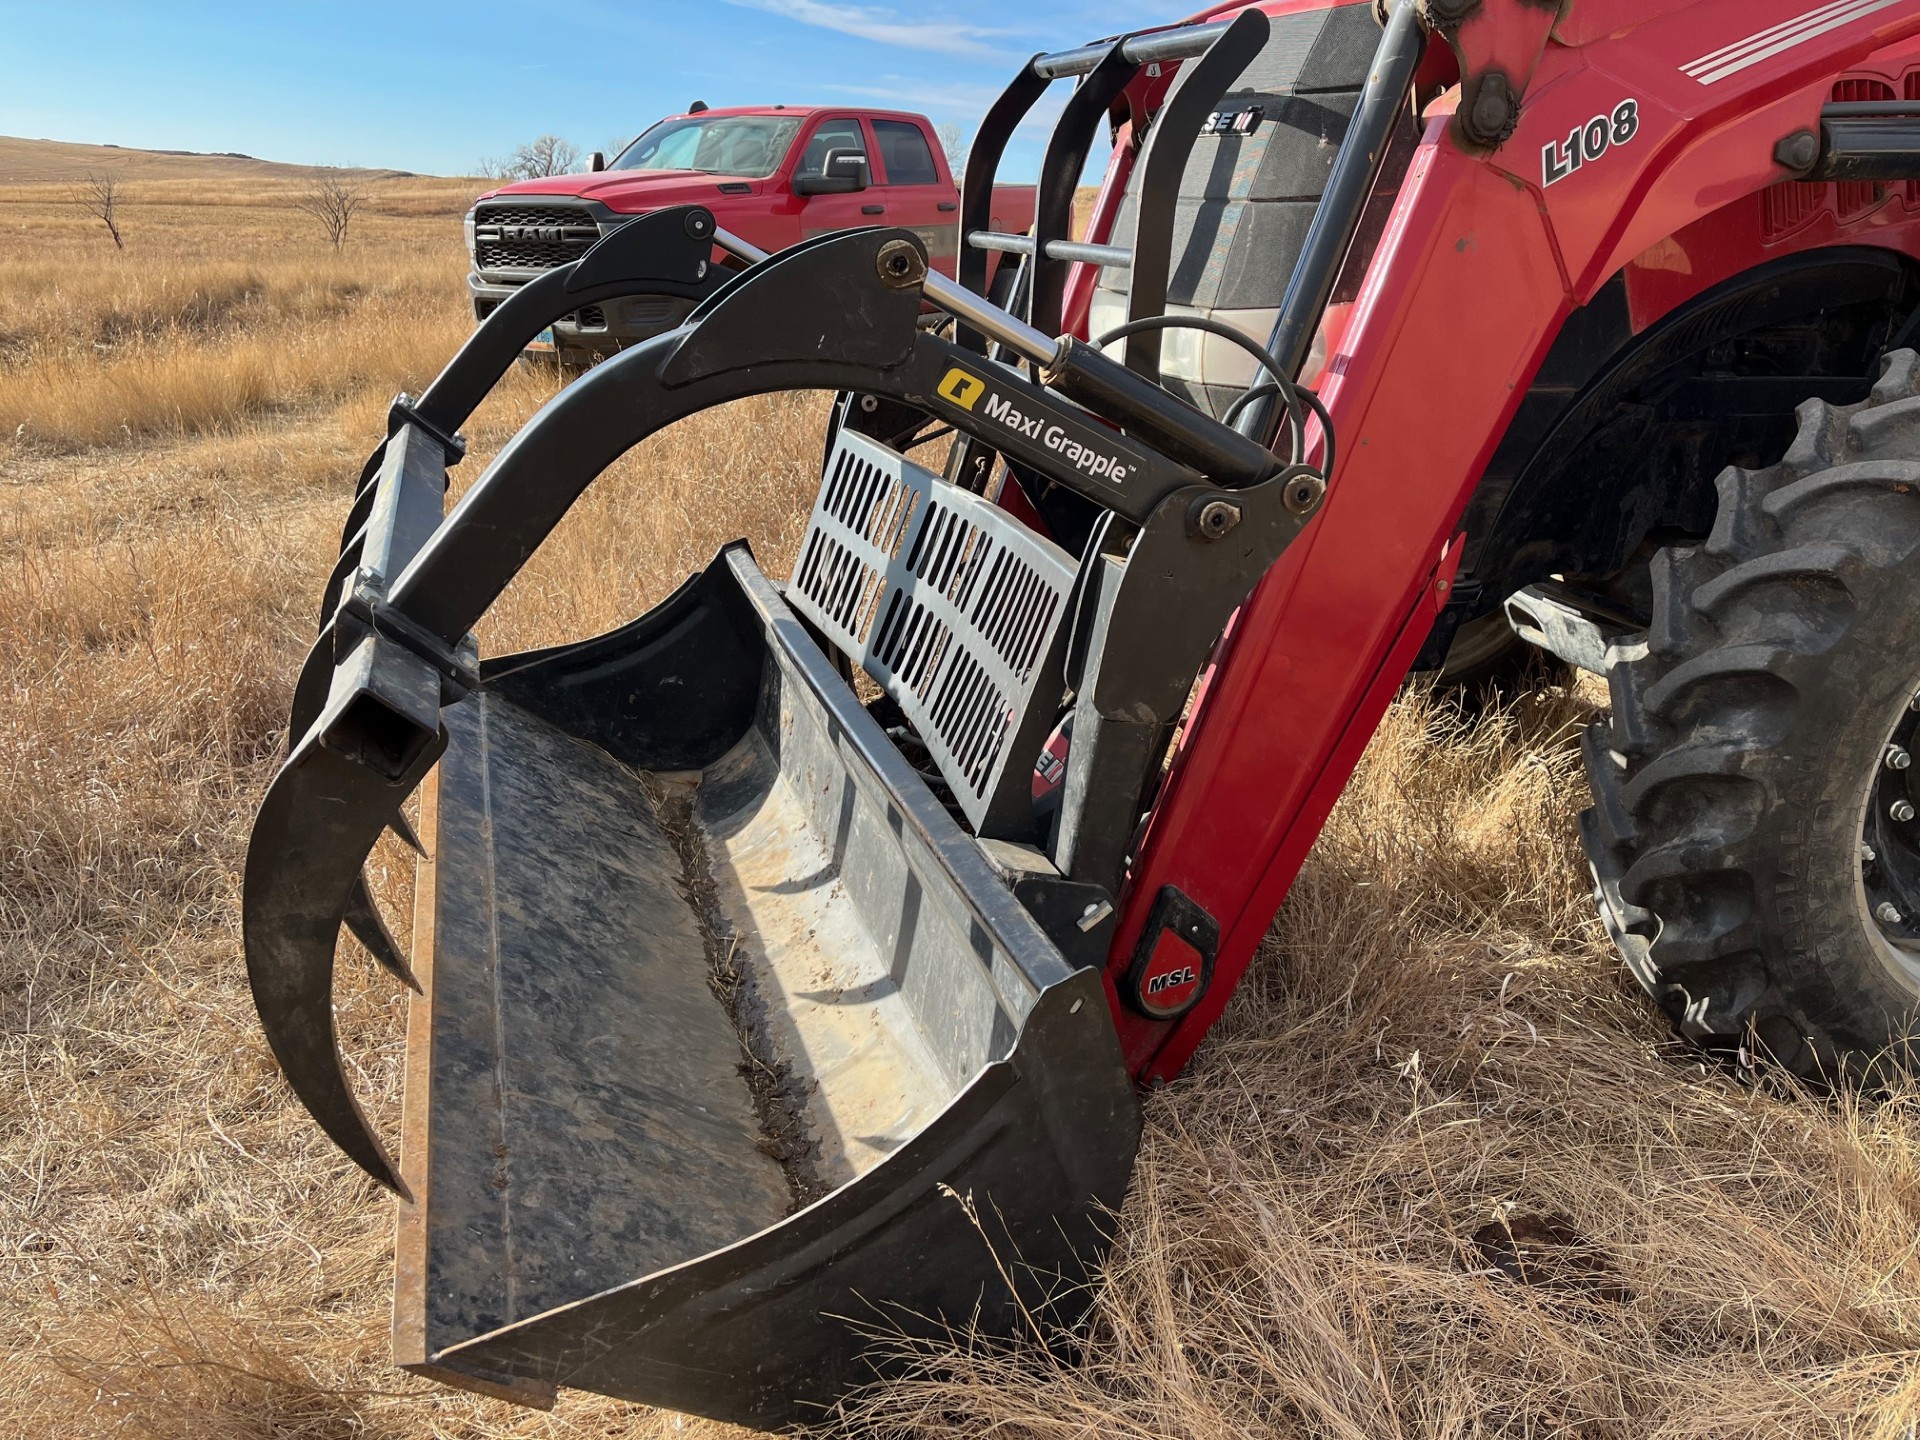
pixel 1752 837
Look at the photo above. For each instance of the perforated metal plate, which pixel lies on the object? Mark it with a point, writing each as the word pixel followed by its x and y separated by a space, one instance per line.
pixel 952 606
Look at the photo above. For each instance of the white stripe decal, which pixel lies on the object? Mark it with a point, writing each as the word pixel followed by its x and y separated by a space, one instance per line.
pixel 1731 59
pixel 1754 42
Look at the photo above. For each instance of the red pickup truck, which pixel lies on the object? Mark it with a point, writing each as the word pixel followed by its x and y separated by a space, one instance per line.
pixel 774 175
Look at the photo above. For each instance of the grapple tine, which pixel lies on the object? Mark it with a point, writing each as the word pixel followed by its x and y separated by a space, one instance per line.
pixel 363 918
pixel 404 831
pixel 377 736
pixel 295 899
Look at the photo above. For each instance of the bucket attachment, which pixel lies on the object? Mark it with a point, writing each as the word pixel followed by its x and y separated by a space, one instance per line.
pixel 709 1058
pixel 755 1022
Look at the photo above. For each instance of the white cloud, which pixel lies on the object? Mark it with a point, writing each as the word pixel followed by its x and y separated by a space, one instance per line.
pixel 887 27
pixel 932 98
pixel 963 102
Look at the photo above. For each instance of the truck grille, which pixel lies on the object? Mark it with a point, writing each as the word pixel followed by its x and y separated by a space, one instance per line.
pixel 530 237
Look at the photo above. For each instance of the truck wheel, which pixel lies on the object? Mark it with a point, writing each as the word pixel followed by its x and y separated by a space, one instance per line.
pixel 1753 835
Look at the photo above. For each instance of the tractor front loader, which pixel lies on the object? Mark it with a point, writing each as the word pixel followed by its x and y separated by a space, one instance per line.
pixel 757 1023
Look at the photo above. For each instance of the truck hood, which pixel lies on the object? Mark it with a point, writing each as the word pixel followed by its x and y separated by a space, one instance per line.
pixel 634 192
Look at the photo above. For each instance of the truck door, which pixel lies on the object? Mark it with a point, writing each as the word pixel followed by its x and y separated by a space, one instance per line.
pixel 916 194
pixel 823 213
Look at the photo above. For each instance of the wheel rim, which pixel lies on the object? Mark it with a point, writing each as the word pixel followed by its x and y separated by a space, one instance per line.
pixel 1478 643
pixel 1889 874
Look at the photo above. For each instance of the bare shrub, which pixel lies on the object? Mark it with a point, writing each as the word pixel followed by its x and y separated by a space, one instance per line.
pixel 535 160
pixel 953 140
pixel 100 197
pixel 334 199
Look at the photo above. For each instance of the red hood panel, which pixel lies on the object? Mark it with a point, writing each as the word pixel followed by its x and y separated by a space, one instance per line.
pixel 631 191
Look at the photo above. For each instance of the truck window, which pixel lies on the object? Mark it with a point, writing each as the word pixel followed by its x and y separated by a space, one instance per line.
pixel 832 135
pixel 904 149
pixel 750 146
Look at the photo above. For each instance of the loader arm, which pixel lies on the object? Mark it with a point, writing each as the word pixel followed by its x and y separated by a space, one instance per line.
pixel 1311 663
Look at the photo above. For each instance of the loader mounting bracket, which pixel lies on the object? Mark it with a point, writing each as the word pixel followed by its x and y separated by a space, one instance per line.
pixel 1497 44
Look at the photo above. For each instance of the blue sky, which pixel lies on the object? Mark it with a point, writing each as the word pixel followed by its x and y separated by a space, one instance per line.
pixel 434 86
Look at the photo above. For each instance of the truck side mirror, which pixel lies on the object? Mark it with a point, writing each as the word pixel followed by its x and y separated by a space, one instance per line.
pixel 597 160
pixel 844 172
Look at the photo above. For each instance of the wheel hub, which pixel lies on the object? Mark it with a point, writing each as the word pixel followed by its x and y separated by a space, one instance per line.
pixel 1890 835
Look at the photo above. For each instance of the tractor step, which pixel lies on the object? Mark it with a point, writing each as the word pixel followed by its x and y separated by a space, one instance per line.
pixel 707 1060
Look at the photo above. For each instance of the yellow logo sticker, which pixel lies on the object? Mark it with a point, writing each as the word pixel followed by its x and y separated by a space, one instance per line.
pixel 961 388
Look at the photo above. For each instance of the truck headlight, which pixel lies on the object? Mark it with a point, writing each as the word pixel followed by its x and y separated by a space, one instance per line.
pixel 467 225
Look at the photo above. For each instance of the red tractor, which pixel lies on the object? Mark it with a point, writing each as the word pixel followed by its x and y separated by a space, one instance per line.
pixel 755 1018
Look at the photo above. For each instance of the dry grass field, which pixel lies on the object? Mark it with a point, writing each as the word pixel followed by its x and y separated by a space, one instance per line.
pixel 1435 1061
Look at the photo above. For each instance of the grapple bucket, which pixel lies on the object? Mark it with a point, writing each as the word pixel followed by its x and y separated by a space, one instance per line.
pixel 713 1061
pixel 760 1017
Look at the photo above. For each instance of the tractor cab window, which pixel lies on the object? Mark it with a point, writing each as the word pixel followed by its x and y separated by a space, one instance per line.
pixel 904 148
pixel 832 135
pixel 750 146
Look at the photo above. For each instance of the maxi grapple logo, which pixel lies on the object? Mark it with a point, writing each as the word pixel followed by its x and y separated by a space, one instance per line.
pixel 970 392
pixel 961 388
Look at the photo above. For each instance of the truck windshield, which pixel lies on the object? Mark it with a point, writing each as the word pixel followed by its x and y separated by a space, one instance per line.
pixel 750 146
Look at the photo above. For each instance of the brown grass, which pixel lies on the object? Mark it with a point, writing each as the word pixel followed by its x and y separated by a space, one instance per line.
pixel 215 315
pixel 1434 1050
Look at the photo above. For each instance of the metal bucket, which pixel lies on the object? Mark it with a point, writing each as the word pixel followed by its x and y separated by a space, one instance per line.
pixel 728 1035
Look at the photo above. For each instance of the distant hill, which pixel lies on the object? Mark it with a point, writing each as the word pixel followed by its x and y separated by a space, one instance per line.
pixel 27 162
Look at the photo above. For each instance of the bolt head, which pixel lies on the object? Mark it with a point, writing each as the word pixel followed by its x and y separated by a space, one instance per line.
pixel 900 265
pixel 1491 116
pixel 1304 493
pixel 1887 913
pixel 1217 518
pixel 1897 758
pixel 1867 857
pixel 1901 810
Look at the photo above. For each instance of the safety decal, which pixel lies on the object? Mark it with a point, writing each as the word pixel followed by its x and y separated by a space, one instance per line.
pixel 1586 143
pixel 1765 44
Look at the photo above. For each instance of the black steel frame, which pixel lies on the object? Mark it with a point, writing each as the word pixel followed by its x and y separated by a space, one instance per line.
pixel 1356 168
pixel 394 643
